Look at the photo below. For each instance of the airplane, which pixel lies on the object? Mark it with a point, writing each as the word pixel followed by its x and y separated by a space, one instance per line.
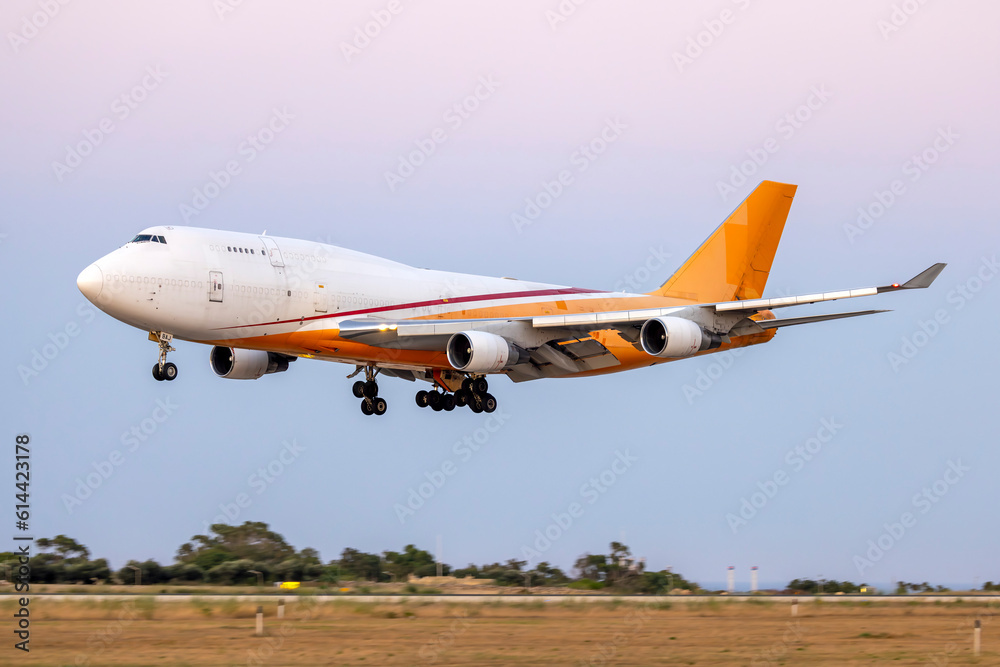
pixel 263 302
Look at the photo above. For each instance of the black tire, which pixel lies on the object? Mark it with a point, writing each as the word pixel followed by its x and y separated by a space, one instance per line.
pixel 467 385
pixel 489 403
pixel 475 405
pixel 371 389
pixel 156 373
pixel 366 407
pixel 434 400
pixel 379 405
pixel 359 389
pixel 461 399
pixel 480 386
pixel 448 402
pixel 422 398
pixel 169 372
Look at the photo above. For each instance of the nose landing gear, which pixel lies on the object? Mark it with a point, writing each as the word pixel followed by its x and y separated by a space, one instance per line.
pixel 163 370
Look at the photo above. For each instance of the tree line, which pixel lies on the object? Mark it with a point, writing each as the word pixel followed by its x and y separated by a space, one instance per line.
pixel 252 553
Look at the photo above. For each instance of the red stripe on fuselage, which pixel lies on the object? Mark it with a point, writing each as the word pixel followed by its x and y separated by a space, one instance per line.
pixel 422 304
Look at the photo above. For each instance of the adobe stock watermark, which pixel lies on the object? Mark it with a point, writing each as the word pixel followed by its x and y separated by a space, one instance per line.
pixel 703 40
pixel 796 459
pixel 456 115
pixel 562 13
pixel 590 491
pixel 274 642
pixel 580 161
pixel 913 169
pixel 923 502
pixel 434 480
pixel 101 640
pixel 32 25
pixel 366 33
pixel 926 330
pixel 442 641
pixel 246 152
pixel 225 7
pixel 258 482
pixel 121 108
pixel 56 343
pixel 787 125
pixel 960 633
pixel 708 376
pixel 137 436
pixel 777 653
pixel 635 621
pixel 638 279
pixel 899 16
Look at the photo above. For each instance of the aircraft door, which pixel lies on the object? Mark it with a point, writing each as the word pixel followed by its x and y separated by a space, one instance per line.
pixel 272 251
pixel 320 297
pixel 215 286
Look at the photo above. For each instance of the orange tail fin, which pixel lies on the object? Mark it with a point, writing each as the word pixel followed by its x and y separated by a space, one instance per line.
pixel 734 262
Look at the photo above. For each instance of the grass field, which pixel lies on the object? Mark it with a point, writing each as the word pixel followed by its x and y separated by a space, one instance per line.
pixel 418 632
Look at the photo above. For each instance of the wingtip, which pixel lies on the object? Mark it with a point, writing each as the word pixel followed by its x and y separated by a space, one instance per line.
pixel 925 278
pixel 919 281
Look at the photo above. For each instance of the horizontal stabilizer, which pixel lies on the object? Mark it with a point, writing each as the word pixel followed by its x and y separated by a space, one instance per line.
pixel 792 321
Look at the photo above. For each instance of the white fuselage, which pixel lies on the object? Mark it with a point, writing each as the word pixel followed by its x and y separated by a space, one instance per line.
pixel 211 285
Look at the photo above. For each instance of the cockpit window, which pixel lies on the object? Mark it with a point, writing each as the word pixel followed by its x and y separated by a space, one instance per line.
pixel 142 238
pixel 161 239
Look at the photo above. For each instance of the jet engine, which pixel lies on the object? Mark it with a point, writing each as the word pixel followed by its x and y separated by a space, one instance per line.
pixel 238 364
pixel 482 352
pixel 675 337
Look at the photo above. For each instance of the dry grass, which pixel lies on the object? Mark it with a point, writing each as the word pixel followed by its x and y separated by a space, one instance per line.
pixel 418 632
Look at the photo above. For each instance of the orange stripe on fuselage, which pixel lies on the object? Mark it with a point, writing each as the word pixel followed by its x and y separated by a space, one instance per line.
pixel 327 344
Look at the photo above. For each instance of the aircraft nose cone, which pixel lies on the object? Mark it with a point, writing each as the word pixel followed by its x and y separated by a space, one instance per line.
pixel 91 282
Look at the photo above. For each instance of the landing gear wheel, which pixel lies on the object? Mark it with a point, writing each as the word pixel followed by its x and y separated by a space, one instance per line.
pixel 475 404
pixel 422 398
pixel 379 405
pixel 359 389
pixel 448 402
pixel 460 398
pixel 366 407
pixel 480 385
pixel 467 385
pixel 434 400
pixel 163 370
pixel 489 403
pixel 370 389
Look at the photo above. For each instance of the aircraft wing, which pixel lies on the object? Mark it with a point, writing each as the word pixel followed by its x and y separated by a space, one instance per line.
pixel 559 342
pixel 746 308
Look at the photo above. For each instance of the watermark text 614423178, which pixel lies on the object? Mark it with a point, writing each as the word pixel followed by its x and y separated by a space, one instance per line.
pixel 22 514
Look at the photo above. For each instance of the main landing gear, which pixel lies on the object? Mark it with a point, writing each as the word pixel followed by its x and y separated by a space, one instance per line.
pixel 163 370
pixel 367 391
pixel 472 394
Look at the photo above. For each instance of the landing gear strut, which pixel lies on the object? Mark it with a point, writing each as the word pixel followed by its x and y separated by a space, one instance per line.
pixel 367 391
pixel 473 394
pixel 164 370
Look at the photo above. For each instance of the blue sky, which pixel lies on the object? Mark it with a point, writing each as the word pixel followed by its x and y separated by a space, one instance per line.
pixel 849 102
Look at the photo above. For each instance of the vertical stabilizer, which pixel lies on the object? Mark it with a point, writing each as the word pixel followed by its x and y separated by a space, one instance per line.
pixel 734 262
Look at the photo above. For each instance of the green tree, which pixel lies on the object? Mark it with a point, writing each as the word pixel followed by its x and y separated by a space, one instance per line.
pixel 252 540
pixel 360 566
pixel 66 548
